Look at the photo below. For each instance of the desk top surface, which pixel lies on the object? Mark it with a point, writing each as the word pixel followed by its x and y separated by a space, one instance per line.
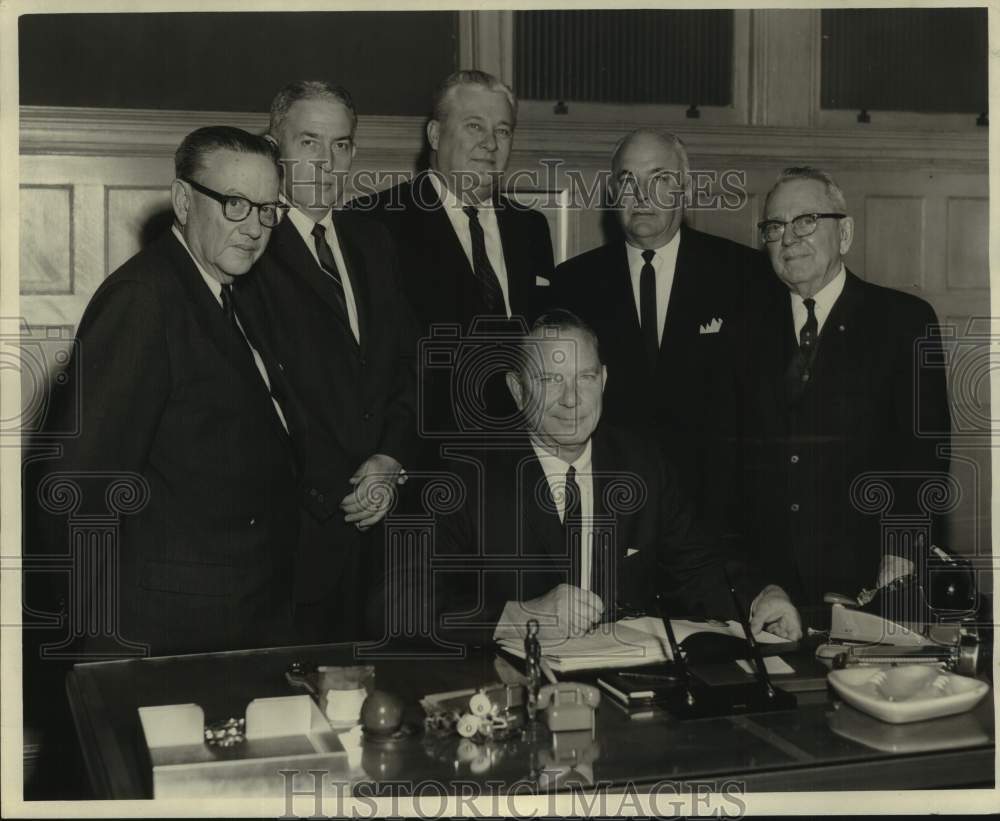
pixel 822 744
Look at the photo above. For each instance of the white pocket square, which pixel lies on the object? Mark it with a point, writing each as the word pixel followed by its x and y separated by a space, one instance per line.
pixel 542 282
pixel 712 327
pixel 630 552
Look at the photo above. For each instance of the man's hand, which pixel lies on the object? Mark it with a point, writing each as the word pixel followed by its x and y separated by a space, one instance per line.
pixel 374 491
pixel 565 610
pixel 773 611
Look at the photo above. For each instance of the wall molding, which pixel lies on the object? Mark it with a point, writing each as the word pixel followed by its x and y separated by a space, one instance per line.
pixel 398 140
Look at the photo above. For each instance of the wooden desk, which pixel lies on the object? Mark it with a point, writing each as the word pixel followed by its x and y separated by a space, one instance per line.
pixel 823 745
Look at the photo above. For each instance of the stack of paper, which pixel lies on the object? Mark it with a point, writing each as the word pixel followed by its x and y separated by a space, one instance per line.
pixel 625 643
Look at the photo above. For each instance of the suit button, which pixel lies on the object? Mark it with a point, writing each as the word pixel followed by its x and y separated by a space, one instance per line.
pixel 364 362
pixel 795 507
pixel 367 416
pixel 319 498
pixel 795 459
pixel 313 492
pixel 253 522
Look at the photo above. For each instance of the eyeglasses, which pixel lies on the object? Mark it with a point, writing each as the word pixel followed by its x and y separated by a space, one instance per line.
pixel 236 208
pixel 802 226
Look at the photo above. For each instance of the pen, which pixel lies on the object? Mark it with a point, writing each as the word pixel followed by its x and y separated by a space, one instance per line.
pixel 758 659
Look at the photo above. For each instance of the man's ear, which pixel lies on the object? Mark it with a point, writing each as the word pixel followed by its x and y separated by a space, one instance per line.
pixel 180 199
pixel 433 133
pixel 846 235
pixel 516 389
pixel 604 377
pixel 271 140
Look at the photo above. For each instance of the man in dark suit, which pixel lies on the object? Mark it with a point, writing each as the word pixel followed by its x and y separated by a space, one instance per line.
pixel 579 521
pixel 178 390
pixel 467 251
pixel 836 384
pixel 663 300
pixel 328 285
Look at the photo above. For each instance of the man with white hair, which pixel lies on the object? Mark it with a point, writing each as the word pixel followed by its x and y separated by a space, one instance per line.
pixel 467 252
pixel 842 378
pixel 663 299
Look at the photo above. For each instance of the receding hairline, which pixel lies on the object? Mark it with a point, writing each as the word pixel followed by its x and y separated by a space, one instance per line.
pixel 666 139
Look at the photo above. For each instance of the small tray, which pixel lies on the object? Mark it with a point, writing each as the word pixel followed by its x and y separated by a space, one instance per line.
pixel 911 692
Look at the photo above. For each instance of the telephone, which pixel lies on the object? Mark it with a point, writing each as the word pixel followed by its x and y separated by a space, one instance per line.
pixel 569 706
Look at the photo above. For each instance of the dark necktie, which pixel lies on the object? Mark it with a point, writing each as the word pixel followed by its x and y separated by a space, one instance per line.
pixel 245 333
pixel 800 369
pixel 573 519
pixel 647 309
pixel 481 267
pixel 329 266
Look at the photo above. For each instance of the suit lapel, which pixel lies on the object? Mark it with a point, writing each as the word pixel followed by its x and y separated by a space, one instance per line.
pixel 682 306
pixel 290 250
pixel 519 275
pixel 354 260
pixel 209 315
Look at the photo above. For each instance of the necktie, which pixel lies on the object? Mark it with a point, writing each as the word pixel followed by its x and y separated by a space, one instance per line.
pixel 573 518
pixel 800 369
pixel 481 267
pixel 329 266
pixel 245 333
pixel 647 309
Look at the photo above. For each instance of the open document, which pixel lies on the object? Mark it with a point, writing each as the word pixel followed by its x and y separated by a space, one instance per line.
pixel 625 643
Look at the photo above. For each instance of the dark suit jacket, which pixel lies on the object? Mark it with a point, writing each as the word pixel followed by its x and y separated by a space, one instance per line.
pixel 676 401
pixel 437 276
pixel 467 393
pixel 858 412
pixel 513 544
pixel 358 398
pixel 167 389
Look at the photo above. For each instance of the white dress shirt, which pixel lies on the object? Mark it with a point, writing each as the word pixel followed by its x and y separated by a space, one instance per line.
pixel 664 266
pixel 491 232
pixel 304 225
pixel 555 474
pixel 216 288
pixel 825 300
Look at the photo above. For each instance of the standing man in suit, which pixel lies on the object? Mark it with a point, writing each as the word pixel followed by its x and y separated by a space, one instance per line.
pixel 580 521
pixel 328 285
pixel 177 385
pixel 835 386
pixel 663 300
pixel 468 252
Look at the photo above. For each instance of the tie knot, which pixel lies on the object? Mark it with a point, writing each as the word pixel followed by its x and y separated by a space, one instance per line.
pixel 648 256
pixel 571 474
pixel 810 306
pixel 319 231
pixel 471 212
pixel 227 299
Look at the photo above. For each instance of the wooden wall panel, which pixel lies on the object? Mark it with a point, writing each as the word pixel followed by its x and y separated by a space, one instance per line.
pixel 47 239
pixel 134 214
pixel 968 258
pixel 894 240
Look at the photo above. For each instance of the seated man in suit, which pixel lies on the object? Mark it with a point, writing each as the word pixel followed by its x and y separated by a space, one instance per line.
pixel 580 521
pixel 329 288
pixel 841 379
pixel 183 430
pixel 470 257
pixel 662 299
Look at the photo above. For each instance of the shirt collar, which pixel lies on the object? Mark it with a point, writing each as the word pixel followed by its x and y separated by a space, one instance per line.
pixel 826 296
pixel 304 223
pixel 213 284
pixel 663 253
pixel 447 196
pixel 556 467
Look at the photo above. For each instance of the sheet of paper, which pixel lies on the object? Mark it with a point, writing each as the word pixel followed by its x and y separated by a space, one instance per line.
pixel 775 666
pixel 684 628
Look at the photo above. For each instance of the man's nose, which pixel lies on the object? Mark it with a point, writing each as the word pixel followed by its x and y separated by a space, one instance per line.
pixel 489 141
pixel 788 235
pixel 251 226
pixel 570 396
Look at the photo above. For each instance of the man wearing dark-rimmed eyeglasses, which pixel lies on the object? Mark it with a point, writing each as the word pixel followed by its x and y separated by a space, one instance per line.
pixel 841 384
pixel 176 389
